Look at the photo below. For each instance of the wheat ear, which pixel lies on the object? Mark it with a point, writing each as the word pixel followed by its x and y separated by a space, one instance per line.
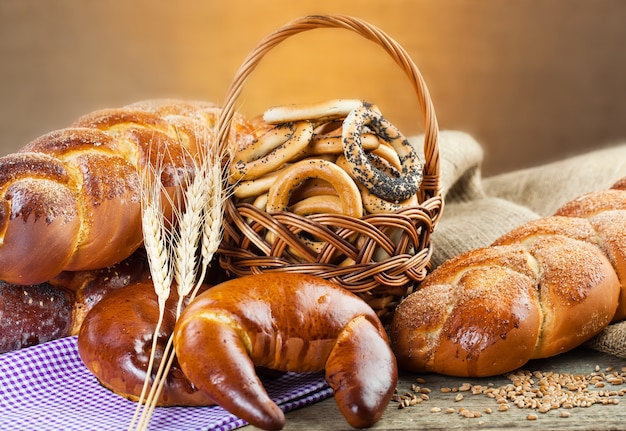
pixel 185 240
pixel 155 235
pixel 199 225
pixel 211 236
pixel 213 214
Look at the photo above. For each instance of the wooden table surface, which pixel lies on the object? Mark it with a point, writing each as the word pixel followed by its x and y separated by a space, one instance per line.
pixel 442 411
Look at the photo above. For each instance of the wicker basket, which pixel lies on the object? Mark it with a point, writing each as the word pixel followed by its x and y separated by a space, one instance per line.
pixel 244 249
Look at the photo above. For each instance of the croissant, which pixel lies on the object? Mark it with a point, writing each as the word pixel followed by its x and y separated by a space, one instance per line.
pixel 70 200
pixel 541 289
pixel 285 322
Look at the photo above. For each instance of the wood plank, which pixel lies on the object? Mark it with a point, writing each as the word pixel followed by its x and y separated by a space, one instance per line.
pixel 325 416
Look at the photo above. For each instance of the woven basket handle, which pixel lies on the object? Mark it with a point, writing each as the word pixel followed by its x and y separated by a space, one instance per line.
pixel 430 186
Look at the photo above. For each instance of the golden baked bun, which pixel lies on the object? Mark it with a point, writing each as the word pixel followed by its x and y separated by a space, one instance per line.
pixel 115 342
pixel 540 290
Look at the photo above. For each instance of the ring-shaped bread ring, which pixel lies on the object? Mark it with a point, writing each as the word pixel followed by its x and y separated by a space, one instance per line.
pixel 376 181
pixel 323 111
pixel 271 151
pixel 257 186
pixel 318 204
pixel 321 145
pixel 372 203
pixel 280 192
pixel 387 153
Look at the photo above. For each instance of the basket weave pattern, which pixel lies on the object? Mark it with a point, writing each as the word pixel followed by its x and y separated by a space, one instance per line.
pixel 388 253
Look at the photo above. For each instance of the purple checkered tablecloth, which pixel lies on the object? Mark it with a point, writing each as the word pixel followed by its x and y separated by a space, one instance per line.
pixel 47 387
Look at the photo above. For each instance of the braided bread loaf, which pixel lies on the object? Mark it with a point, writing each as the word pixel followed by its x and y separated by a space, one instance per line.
pixel 539 290
pixel 70 200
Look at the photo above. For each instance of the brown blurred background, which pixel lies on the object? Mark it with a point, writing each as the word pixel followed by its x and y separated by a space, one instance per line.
pixel 533 81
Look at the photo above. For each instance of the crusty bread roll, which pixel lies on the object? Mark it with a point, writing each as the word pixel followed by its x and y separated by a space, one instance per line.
pixel 34 314
pixel 115 342
pixel 71 198
pixel 539 290
pixel 30 315
pixel 605 213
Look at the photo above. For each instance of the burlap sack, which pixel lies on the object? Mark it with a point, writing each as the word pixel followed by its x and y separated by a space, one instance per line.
pixel 478 210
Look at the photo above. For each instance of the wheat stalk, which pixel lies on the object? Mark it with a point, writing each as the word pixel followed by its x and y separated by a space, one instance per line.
pixel 186 240
pixel 156 236
pixel 211 236
pixel 189 232
pixel 212 226
pixel 198 226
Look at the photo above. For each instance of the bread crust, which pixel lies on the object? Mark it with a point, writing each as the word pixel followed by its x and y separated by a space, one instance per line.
pixel 71 199
pixel 115 342
pixel 539 290
pixel 285 322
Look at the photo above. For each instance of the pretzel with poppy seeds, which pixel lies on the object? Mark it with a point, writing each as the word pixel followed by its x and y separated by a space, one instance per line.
pixel 272 150
pixel 394 189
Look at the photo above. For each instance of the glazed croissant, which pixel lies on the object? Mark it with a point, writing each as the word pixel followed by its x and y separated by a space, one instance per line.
pixel 539 290
pixel 270 322
pixel 70 200
pixel 285 322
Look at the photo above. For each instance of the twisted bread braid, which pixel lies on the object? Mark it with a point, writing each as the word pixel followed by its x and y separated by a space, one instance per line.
pixel 539 290
pixel 70 200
